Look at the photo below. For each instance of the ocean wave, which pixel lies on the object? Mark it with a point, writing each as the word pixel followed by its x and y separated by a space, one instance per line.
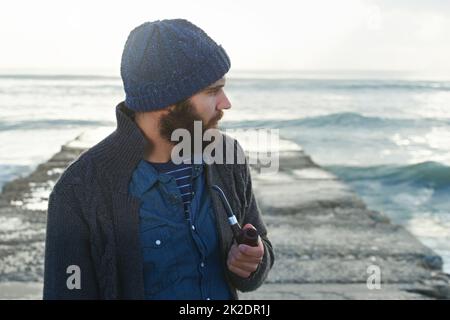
pixel 340 119
pixel 269 84
pixel 350 119
pixel 45 124
pixel 429 174
pixel 57 77
pixel 338 84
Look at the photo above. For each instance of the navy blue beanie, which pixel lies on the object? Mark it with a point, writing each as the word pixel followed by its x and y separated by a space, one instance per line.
pixel 166 61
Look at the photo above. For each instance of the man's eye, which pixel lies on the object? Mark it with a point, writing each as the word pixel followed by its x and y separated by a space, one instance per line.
pixel 213 92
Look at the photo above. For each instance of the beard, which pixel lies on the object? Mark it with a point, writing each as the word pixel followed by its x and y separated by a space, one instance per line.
pixel 182 116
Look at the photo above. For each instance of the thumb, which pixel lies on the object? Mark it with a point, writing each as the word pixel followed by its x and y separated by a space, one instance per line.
pixel 249 226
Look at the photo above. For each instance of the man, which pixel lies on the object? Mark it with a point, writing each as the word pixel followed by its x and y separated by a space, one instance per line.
pixel 127 222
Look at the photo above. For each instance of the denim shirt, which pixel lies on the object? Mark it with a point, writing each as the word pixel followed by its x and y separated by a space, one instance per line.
pixel 181 253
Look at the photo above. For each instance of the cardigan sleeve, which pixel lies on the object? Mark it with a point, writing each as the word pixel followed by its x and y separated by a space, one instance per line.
pixel 68 271
pixel 252 215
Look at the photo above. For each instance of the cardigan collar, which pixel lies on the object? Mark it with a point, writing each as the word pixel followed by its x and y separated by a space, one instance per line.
pixel 121 152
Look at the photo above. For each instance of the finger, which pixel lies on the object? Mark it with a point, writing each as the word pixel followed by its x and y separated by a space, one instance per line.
pixel 240 257
pixel 239 272
pixel 256 252
pixel 235 252
pixel 245 266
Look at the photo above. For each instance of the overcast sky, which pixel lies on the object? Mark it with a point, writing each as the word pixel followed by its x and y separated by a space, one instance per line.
pixel 409 35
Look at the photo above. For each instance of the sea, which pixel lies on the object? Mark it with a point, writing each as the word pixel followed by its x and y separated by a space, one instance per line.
pixel 386 134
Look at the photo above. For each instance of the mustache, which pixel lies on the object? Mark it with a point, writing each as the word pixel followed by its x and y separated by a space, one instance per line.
pixel 217 117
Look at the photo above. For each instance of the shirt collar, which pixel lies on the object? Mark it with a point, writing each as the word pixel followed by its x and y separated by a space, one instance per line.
pixel 145 176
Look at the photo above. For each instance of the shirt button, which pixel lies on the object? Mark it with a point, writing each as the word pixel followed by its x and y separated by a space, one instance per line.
pixel 208 299
pixel 158 242
pixel 193 227
pixel 202 264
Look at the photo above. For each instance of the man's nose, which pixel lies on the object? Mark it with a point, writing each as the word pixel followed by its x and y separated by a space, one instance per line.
pixel 224 103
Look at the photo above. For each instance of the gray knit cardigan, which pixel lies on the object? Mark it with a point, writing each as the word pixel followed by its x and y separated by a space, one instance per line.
pixel 93 221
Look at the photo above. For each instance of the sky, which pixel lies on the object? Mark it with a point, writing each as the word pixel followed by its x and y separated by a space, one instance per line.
pixel 405 35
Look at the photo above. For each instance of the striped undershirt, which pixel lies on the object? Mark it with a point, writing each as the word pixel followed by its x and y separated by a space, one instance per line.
pixel 182 174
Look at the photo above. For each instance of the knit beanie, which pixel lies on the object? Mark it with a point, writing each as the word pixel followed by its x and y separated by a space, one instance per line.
pixel 166 61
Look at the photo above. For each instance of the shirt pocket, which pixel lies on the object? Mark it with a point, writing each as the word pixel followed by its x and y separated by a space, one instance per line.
pixel 160 262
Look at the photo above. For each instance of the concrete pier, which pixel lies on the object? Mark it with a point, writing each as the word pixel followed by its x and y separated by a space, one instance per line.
pixel 328 244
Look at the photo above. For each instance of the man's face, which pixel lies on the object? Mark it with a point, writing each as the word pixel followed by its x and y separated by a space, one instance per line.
pixel 205 106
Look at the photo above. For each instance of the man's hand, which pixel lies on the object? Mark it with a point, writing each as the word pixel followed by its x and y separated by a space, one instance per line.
pixel 243 259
